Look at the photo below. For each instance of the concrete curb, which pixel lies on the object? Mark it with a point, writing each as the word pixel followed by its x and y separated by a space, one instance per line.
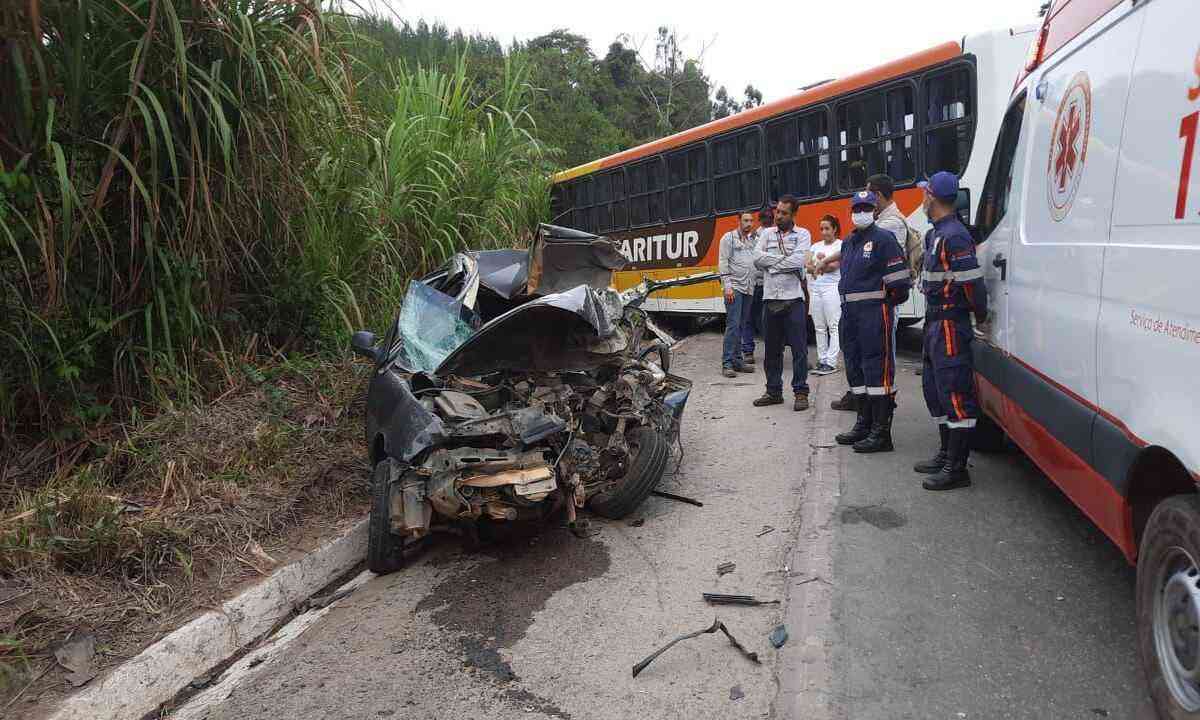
pixel 140 685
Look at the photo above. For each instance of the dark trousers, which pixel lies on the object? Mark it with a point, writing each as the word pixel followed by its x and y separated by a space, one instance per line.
pixel 737 317
pixel 867 332
pixel 948 376
pixel 755 323
pixel 787 328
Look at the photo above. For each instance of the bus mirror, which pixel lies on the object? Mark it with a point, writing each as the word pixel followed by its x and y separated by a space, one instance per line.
pixel 962 206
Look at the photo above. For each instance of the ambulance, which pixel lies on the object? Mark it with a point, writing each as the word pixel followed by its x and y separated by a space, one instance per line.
pixel 1090 226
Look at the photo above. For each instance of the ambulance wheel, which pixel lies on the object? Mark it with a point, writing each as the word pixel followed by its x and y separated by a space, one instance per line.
pixel 385 550
pixel 987 436
pixel 1168 607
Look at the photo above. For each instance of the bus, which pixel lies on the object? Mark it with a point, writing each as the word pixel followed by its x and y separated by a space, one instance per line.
pixel 668 202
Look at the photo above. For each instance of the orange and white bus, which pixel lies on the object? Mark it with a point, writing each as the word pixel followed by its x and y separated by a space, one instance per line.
pixel 668 202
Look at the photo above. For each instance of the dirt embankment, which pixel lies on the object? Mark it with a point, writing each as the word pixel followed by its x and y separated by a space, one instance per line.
pixel 172 518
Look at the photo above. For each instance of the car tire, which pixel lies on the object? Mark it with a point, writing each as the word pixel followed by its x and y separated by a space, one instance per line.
pixel 649 449
pixel 385 551
pixel 987 436
pixel 1168 576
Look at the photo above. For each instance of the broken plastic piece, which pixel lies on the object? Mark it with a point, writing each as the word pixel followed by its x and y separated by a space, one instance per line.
pixel 717 625
pixel 725 568
pixel 778 636
pixel 722 599
pixel 765 529
pixel 735 693
pixel 679 498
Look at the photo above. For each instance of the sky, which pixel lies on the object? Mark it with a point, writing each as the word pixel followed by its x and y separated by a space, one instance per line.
pixel 777 47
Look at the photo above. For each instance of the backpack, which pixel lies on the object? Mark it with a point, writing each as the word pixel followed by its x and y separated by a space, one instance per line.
pixel 914 248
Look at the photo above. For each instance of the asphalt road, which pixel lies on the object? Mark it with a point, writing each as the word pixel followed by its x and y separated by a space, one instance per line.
pixel 1000 601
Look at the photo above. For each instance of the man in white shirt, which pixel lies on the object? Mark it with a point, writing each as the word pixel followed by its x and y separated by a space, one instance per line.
pixel 782 254
pixel 735 262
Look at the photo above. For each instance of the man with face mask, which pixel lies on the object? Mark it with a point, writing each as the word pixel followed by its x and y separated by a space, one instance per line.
pixel 874 280
pixel 954 291
pixel 782 254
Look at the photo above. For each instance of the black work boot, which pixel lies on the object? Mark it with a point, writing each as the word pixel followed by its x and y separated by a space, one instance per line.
pixel 768 399
pixel 880 439
pixel 954 473
pixel 935 463
pixel 862 426
pixel 845 402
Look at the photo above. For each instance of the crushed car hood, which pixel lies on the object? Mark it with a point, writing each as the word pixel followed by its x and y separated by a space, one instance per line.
pixel 554 332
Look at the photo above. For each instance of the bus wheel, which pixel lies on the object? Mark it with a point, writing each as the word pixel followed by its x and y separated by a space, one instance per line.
pixel 1168 606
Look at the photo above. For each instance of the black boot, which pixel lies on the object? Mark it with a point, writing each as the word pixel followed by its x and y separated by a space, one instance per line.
pixel 935 463
pixel 862 426
pixel 880 439
pixel 845 402
pixel 954 474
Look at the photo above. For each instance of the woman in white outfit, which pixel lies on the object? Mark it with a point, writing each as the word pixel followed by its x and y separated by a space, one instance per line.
pixel 826 305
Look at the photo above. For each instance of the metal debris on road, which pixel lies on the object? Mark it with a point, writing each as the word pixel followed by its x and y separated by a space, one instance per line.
pixel 725 568
pixel 717 625
pixel 722 599
pixel 735 693
pixel 765 529
pixel 679 498
pixel 778 636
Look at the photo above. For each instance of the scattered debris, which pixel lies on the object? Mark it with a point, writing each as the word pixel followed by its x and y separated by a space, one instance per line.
pixel 678 498
pixel 735 693
pixel 722 599
pixel 765 529
pixel 637 523
pixel 1100 711
pixel 1059 598
pixel 778 636
pixel 201 682
pixel 78 656
pixel 725 568
pixel 319 601
pixel 717 625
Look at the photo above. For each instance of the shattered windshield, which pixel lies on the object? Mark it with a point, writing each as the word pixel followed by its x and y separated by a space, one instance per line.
pixel 431 325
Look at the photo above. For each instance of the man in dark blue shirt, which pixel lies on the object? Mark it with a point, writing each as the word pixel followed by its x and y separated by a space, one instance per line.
pixel 954 291
pixel 875 279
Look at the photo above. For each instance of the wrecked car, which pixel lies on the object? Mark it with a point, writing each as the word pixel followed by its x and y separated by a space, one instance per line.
pixel 517 384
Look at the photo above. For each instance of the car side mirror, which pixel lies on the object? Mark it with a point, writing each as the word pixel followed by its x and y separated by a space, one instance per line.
pixel 363 343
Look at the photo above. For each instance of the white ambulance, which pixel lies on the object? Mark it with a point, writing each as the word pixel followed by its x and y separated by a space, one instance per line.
pixel 1090 222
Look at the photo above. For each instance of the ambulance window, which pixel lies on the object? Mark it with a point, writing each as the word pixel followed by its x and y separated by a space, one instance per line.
pixel 737 171
pixel 687 175
pixel 798 156
pixel 993 202
pixel 949 120
pixel 877 134
pixel 646 183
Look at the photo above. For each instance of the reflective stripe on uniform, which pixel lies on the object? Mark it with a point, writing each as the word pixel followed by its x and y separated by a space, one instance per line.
pixel 894 276
pixel 878 391
pixel 859 296
pixel 953 275
pixel 969 423
pixel 860 390
pixel 939 420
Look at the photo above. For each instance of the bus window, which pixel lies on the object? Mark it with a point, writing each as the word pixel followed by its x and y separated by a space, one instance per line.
pixel 687 179
pixel 583 206
pixel 646 184
pixel 737 171
pixel 877 132
pixel 798 156
pixel 949 120
pixel 560 203
pixel 993 202
pixel 602 212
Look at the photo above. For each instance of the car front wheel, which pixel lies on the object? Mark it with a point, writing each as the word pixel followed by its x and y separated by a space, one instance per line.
pixel 385 550
pixel 1168 607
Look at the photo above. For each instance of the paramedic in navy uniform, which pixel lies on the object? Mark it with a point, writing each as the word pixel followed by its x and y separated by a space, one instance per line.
pixel 954 291
pixel 875 279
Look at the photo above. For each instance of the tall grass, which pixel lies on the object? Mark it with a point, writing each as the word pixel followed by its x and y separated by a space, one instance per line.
pixel 183 179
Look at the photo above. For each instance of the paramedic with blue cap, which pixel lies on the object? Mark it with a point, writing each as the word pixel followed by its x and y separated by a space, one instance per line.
pixel 954 291
pixel 875 279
